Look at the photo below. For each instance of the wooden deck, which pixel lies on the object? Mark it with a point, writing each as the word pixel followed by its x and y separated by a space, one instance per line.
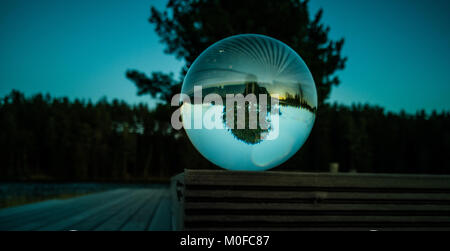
pixel 225 200
pixel 135 209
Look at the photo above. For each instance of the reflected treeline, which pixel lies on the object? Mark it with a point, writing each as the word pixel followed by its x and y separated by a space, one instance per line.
pixel 59 139
pixel 251 86
pixel 289 99
pixel 298 101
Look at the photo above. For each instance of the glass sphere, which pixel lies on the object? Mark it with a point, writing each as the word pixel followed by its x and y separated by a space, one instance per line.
pixel 277 112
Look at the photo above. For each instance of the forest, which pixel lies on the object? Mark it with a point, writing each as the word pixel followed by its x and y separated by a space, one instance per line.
pixel 56 139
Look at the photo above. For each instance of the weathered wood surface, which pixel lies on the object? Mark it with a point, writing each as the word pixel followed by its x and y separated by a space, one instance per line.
pixel 224 200
pixel 134 209
pixel 317 180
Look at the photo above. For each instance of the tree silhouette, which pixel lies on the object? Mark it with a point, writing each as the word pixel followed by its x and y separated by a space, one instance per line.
pixel 187 27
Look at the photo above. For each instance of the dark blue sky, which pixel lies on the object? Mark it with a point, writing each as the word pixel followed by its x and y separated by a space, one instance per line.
pixel 399 50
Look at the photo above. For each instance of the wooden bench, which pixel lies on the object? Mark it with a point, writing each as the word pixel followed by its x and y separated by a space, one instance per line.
pixel 227 200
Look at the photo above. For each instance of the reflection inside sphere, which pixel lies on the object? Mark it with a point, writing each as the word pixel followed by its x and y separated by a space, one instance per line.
pixel 267 103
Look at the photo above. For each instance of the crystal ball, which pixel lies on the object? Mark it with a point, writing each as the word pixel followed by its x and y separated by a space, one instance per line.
pixel 248 103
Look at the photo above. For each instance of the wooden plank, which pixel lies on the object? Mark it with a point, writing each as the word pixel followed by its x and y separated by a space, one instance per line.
pixel 324 180
pixel 162 219
pixel 315 207
pixel 73 207
pixel 69 207
pixel 142 219
pixel 139 198
pixel 92 222
pixel 242 219
pixel 245 194
pixel 18 211
pixel 126 209
pixel 67 223
pixel 36 212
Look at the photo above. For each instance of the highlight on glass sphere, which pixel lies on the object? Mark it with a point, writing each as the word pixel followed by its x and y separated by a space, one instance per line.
pixel 254 103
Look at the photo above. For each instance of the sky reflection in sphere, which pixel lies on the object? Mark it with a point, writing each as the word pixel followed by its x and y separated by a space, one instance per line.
pixel 246 64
